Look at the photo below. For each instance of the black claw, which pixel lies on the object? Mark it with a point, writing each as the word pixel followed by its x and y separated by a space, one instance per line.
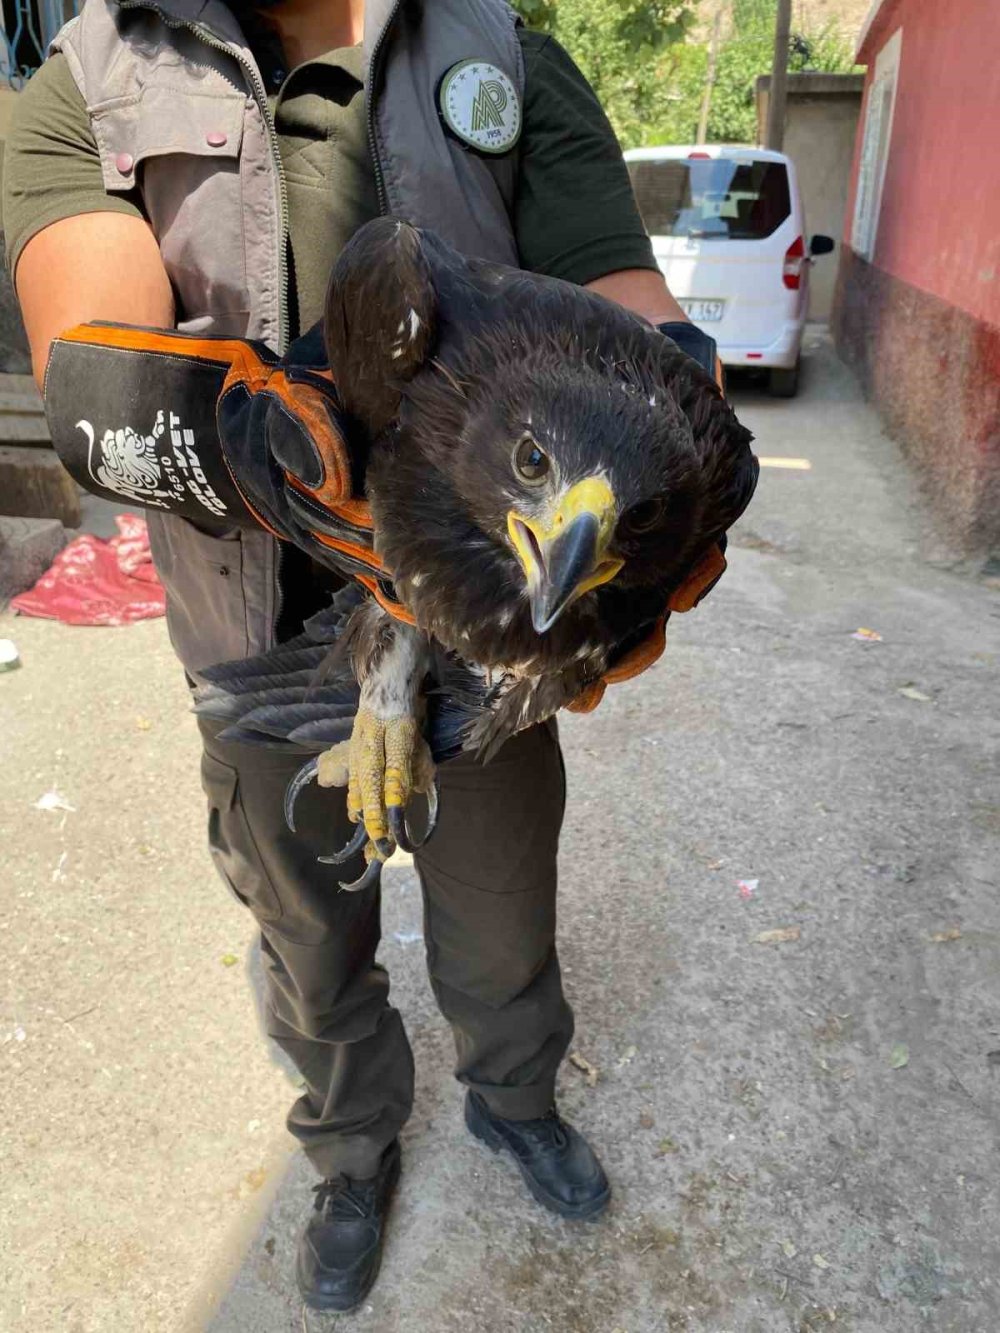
pixel 398 829
pixel 358 841
pixel 433 805
pixel 370 877
pixel 305 775
pixel 399 826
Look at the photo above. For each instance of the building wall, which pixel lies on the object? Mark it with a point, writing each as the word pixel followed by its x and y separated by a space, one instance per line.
pixel 933 370
pixel 920 318
pixel 937 226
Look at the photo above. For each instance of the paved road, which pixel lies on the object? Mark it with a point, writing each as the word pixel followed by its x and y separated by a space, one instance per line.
pixel 802 1132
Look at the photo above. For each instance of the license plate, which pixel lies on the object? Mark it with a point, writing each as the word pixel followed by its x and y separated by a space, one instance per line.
pixel 703 312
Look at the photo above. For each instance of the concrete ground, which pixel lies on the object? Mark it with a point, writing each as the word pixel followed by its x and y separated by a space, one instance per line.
pixel 796 1090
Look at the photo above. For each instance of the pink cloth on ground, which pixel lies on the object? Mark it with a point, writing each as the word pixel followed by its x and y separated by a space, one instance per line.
pixel 95 582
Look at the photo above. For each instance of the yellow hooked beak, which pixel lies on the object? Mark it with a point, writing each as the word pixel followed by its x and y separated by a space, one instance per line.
pixel 566 555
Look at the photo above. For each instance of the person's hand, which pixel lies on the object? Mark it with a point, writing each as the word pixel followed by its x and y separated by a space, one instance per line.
pixel 283 436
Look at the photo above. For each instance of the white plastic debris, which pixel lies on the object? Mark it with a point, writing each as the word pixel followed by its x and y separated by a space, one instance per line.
pixel 10 658
pixel 407 936
pixel 911 692
pixel 51 800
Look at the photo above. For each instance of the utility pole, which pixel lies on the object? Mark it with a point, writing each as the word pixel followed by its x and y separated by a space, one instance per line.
pixel 713 60
pixel 779 77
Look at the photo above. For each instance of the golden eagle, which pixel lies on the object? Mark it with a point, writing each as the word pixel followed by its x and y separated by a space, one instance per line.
pixel 544 471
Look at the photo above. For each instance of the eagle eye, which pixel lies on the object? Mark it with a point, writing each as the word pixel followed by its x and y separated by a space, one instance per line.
pixel 642 517
pixel 530 463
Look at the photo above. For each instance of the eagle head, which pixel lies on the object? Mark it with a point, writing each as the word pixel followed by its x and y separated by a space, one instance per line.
pixel 580 471
pixel 549 467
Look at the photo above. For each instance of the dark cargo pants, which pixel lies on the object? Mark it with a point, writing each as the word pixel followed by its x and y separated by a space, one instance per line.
pixel 489 886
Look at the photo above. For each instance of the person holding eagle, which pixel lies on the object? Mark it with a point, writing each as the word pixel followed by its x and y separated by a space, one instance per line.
pixel 479 461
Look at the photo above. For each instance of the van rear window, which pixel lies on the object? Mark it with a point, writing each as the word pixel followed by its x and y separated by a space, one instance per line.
pixel 711 198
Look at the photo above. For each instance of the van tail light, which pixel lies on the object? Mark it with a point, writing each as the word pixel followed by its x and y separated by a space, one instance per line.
pixel 795 258
pixel 706 156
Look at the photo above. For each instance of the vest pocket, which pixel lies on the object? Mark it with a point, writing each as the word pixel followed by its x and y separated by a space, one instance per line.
pixel 182 154
pixel 160 122
pixel 203 574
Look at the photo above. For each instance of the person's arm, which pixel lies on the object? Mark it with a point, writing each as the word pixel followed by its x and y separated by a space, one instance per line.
pixel 103 266
pixel 575 215
pixel 76 251
pixel 641 290
pixel 646 293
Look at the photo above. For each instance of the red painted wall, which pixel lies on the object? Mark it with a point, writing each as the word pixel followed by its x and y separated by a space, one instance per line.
pixel 939 224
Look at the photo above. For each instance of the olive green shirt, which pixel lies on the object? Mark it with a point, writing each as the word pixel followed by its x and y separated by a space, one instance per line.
pixel 574 214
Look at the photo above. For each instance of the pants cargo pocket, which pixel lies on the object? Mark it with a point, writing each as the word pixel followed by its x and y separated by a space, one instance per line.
pixel 231 842
pixel 489 872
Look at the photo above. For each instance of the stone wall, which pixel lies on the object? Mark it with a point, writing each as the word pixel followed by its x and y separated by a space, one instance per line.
pixel 15 358
pixel 933 371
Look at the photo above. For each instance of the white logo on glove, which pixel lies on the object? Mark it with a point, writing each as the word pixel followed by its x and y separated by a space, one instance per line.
pixel 155 470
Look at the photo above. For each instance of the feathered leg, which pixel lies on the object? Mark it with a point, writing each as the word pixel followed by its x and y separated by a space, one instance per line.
pixel 387 760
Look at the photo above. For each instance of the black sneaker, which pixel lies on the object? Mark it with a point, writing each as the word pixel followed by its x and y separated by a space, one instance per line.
pixel 341 1248
pixel 558 1164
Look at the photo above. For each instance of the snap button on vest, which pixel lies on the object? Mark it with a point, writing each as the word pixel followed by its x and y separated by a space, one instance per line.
pixel 124 162
pixel 216 139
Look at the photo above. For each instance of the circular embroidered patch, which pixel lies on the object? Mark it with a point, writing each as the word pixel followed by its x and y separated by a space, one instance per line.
pixel 480 106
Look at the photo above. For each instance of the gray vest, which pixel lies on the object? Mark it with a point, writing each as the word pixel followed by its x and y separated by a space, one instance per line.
pixel 178 108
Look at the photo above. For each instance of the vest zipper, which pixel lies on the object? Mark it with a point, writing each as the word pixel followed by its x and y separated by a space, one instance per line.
pixel 380 193
pixel 260 97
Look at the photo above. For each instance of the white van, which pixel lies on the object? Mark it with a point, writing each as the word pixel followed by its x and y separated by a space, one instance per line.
pixel 729 235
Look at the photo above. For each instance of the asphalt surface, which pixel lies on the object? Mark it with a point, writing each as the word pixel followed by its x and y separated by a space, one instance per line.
pixel 800 1127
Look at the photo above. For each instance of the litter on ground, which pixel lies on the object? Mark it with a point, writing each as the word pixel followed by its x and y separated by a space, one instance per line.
pixel 911 692
pixel 10 659
pixel 51 800
pixel 407 936
pixel 899 1056
pixel 591 1072
pixel 785 464
pixel 783 935
pixel 95 582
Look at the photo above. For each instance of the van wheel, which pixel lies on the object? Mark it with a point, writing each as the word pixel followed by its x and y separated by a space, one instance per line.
pixel 783 383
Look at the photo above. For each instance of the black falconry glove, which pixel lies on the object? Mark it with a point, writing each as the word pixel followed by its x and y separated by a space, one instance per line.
pixel 217 430
pixel 698 345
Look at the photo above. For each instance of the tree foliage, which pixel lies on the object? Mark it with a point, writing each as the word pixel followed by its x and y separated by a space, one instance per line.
pixel 649 72
pixel 747 53
pixel 618 45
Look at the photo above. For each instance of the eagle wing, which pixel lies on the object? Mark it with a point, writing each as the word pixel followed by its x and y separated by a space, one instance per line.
pixel 304 693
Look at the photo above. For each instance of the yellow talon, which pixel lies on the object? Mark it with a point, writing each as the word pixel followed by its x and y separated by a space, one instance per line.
pixel 333 766
pixel 382 765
